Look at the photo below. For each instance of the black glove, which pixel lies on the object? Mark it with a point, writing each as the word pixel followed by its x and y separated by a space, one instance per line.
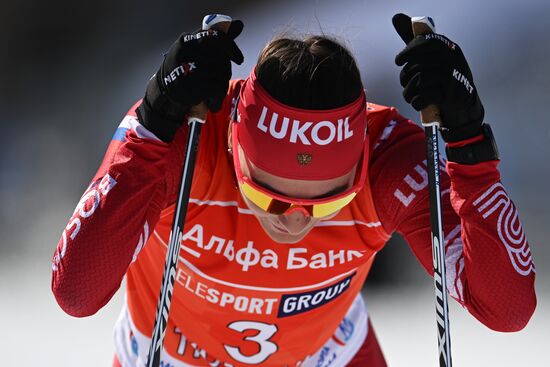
pixel 436 72
pixel 196 68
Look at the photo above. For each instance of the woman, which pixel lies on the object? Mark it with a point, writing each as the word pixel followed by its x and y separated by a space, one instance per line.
pixel 290 203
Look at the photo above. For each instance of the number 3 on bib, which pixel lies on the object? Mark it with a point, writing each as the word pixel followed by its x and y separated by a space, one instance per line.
pixel 265 346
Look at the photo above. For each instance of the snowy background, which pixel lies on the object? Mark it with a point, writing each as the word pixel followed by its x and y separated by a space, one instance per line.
pixel 70 70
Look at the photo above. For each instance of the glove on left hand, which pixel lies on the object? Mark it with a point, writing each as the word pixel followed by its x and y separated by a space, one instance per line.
pixel 436 72
pixel 196 68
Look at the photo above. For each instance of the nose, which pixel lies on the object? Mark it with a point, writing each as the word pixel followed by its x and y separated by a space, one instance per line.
pixel 294 220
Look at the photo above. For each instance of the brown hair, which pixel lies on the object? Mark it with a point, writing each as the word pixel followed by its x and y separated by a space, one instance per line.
pixel 314 73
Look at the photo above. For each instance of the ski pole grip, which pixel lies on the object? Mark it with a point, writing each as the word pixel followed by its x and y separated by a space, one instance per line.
pixel 420 26
pixel 220 23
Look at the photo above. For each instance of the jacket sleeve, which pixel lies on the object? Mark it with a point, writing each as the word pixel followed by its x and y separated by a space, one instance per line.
pixel 112 220
pixel 489 267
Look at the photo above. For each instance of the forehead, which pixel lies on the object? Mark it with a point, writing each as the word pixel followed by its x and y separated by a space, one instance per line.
pixel 303 189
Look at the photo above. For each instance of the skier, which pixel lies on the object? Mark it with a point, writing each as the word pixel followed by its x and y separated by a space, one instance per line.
pixel 299 182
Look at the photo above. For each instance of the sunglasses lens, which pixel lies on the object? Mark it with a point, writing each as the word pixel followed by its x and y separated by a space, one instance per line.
pixel 278 207
pixel 260 199
pixel 325 209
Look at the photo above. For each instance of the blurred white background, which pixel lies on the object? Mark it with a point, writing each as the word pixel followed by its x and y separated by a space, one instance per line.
pixel 71 71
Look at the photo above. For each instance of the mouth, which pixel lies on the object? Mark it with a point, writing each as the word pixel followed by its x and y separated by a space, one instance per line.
pixel 279 228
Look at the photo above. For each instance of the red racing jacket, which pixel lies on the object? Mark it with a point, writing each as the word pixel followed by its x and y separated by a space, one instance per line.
pixel 246 300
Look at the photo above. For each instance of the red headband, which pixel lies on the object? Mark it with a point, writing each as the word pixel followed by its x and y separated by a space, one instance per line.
pixel 296 143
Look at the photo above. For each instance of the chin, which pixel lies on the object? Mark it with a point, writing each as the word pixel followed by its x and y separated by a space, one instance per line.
pixel 281 237
pixel 286 238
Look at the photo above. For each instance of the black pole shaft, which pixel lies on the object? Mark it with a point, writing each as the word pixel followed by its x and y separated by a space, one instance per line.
pixel 172 254
pixel 438 247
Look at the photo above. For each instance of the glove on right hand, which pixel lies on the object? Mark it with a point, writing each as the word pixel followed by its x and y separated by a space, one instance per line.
pixel 196 68
pixel 436 72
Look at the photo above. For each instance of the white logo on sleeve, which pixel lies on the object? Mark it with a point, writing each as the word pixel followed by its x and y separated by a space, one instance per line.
pixel 509 227
pixel 86 207
pixel 415 182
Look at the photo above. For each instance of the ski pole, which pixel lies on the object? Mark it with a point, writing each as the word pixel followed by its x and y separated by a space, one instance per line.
pixel 431 119
pixel 197 117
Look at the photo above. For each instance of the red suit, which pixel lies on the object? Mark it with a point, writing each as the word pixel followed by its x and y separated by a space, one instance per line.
pixel 241 299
